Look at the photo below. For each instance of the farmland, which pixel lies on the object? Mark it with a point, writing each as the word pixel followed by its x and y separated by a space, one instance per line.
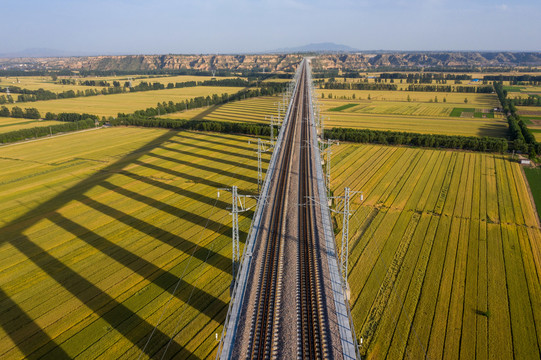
pixel 122 231
pixel 46 83
pixel 12 124
pixel 444 253
pixel 391 110
pixel 111 105
pixel 249 110
pixel 534 179
pixel 532 116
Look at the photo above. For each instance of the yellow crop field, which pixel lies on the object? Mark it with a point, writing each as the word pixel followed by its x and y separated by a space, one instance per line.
pixel 249 110
pixel 12 124
pixel 418 124
pixel 488 101
pixel 111 105
pixel 391 110
pixel 46 82
pixel 445 252
pixel 41 82
pixel 113 235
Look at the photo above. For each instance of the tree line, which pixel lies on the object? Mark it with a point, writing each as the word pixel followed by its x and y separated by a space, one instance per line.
pixel 358 86
pixel 199 125
pixel 484 144
pixel 17 112
pixel 424 78
pixel 451 88
pixel 531 100
pixel 522 138
pixel 41 131
pixel 26 95
pixel 266 89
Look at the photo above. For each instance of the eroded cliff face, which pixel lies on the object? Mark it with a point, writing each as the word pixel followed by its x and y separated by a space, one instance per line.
pixel 278 63
pixel 366 61
pixel 169 62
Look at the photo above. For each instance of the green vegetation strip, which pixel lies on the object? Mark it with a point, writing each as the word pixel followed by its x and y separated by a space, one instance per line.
pixel 534 179
pixel 343 107
pixel 42 131
pixel 485 144
pixel 457 112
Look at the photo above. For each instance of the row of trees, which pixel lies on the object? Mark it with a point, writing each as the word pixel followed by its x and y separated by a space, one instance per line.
pixel 199 125
pixel 485 144
pixel 450 88
pixel 515 79
pixel 17 112
pixel 358 86
pixel 531 100
pixel 266 89
pixel 36 132
pixel 424 78
pixel 522 138
pixel 26 95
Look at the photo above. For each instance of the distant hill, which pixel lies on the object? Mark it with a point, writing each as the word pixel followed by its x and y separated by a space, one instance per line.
pixel 279 62
pixel 325 47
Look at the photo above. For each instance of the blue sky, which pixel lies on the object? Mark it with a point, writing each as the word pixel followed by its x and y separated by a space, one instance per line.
pixel 219 26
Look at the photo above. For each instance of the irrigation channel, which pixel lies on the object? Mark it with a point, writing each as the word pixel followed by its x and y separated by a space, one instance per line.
pixel 288 301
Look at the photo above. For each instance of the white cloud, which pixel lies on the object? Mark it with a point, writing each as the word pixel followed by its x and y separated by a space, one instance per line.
pixel 503 7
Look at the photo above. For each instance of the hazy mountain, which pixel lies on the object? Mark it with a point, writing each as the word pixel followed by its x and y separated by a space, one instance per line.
pixel 319 47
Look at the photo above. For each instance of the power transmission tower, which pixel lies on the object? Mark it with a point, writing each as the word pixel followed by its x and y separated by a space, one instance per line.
pixel 327 151
pixel 238 205
pixel 260 150
pixel 344 250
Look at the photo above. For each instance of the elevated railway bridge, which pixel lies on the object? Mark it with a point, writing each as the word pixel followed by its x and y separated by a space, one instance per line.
pixel 289 299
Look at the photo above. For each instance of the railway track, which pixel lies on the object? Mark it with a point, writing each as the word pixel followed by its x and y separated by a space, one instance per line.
pixel 311 329
pixel 311 320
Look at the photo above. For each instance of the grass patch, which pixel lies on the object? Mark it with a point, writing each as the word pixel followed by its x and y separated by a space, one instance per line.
pixel 489 115
pixel 534 179
pixel 457 112
pixel 343 107
pixel 513 88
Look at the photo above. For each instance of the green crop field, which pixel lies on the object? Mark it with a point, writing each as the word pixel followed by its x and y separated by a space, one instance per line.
pixel 445 254
pixel 534 179
pixel 249 110
pixel 111 105
pixel 12 124
pixel 106 234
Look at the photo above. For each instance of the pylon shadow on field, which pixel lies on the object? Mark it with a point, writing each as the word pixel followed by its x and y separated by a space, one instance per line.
pixel 230 140
pixel 233 176
pixel 117 315
pixel 147 269
pixel 202 115
pixel 218 157
pixel 24 329
pixel 492 130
